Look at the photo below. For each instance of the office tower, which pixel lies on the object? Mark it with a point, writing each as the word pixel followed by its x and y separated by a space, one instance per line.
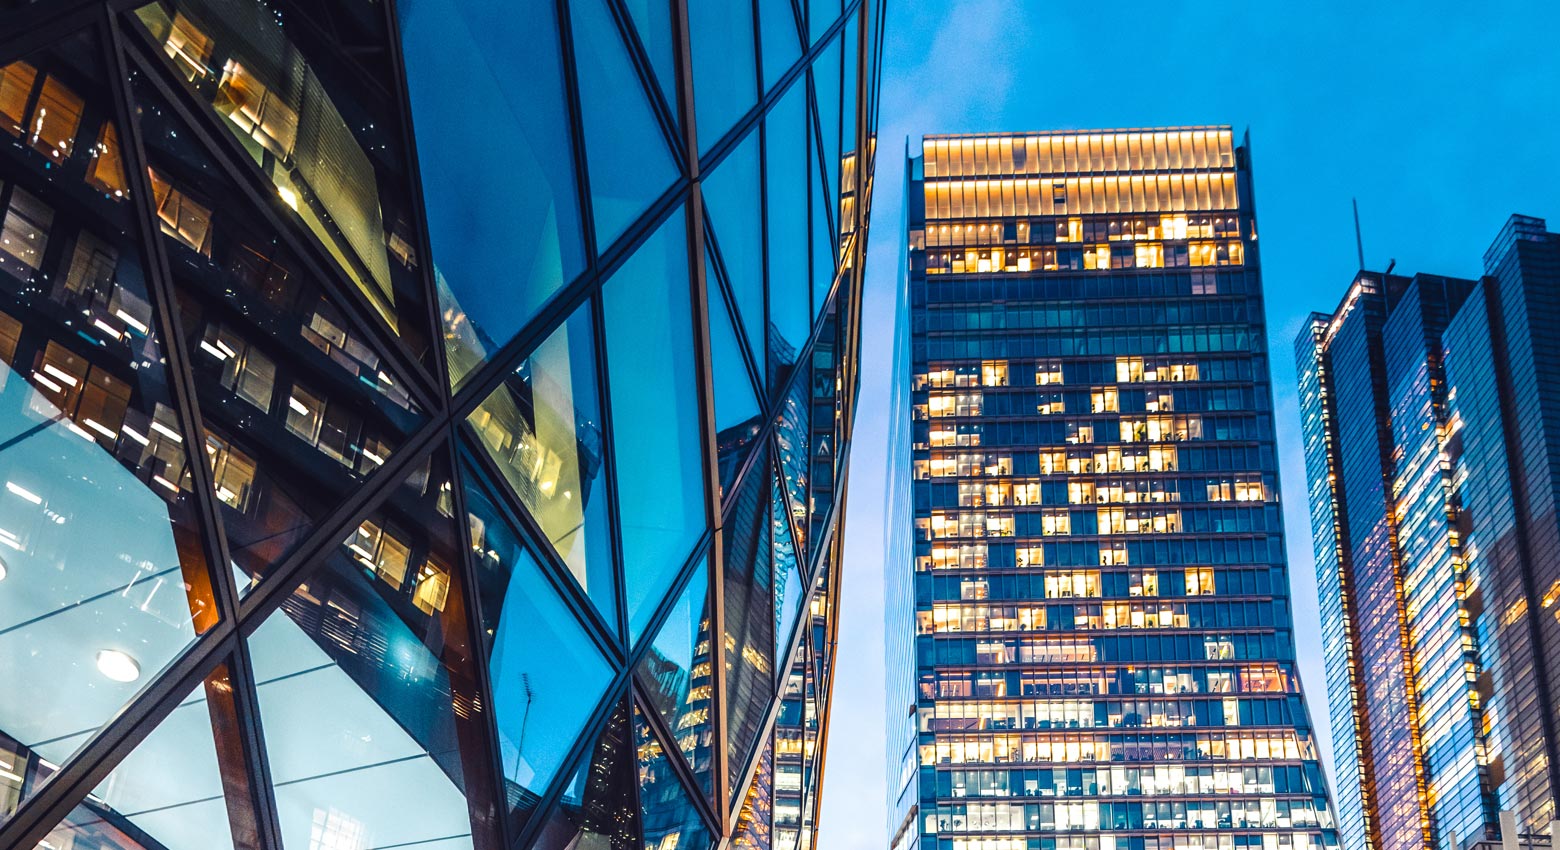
pixel 1424 401
pixel 423 422
pixel 1104 655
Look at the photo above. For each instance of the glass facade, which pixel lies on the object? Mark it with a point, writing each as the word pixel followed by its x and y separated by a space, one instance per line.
pixel 1432 608
pixel 424 423
pixel 1095 582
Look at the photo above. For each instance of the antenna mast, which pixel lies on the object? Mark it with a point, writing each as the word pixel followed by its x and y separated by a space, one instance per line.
pixel 1359 244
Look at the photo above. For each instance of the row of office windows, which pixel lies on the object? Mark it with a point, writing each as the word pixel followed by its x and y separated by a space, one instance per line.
pixel 1120 680
pixel 1084 341
pixel 1097 399
pixel 1087 583
pixel 1002 373
pixel 1221 429
pixel 992 747
pixel 1148 781
pixel 1221 840
pixel 1107 195
pixel 1079 649
pixel 1098 815
pixel 943 524
pixel 1105 291
pixel 948 618
pixel 1021 554
pixel 1062 230
pixel 972 715
pixel 1097 460
pixel 1143 488
pixel 1072 153
pixel 1100 257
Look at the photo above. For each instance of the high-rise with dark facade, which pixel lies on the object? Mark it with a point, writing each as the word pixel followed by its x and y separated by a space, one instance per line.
pixel 1431 410
pixel 1103 655
pixel 423 422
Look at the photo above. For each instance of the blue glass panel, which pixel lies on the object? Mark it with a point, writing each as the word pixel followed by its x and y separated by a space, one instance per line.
pixel 788 579
pixel 781 44
pixel 823 244
pixel 627 159
pixel 748 580
pixel 826 84
pixel 653 22
pixel 668 814
pixel 725 83
pixel 546 673
pixel 732 205
pixel 676 675
pixel 505 229
pixel 755 818
pixel 598 809
pixel 786 170
pixel 848 89
pixel 791 436
pixel 735 403
pixel 542 427
pixel 821 14
pixel 790 751
pixel 655 417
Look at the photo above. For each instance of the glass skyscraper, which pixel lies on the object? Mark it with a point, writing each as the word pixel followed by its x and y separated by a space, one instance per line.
pixel 1103 654
pixel 423 422
pixel 1432 489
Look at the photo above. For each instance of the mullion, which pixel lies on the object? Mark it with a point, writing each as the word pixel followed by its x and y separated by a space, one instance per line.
pixel 674 755
pixel 645 68
pixel 725 299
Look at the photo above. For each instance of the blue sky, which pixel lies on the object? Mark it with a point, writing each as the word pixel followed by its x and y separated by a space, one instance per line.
pixel 1441 118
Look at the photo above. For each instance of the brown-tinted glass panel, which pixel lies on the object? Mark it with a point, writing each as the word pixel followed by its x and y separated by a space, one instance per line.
pixel 103 574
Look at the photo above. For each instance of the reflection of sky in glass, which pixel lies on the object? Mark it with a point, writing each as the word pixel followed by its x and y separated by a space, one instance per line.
pixel 90 564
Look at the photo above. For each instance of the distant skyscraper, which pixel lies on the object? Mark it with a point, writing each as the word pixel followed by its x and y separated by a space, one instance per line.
pixel 423 423
pixel 1431 412
pixel 1103 654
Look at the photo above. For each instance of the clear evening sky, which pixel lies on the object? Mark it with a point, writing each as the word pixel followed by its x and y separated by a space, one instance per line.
pixel 1441 118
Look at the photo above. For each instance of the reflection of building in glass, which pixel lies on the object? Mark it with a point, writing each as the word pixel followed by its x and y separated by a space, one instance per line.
pixel 1432 497
pixel 1089 628
pixel 479 497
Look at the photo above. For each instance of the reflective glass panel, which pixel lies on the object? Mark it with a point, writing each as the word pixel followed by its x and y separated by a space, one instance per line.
pixel 505 228
pixel 735 403
pixel 103 576
pixel 821 14
pixel 542 427
pixel 668 814
pixel 781 44
pixel 790 752
pixel 826 425
pixel 655 417
pixel 170 788
pixel 750 615
pixel 625 150
pixel 326 144
pixel 653 21
pixel 299 406
pixel 732 205
pixel 791 434
pixel 547 674
pixel 788 578
pixel 755 818
pixel 676 675
pixel 826 82
pixel 786 170
pixel 598 809
pixel 379 634
pixel 725 84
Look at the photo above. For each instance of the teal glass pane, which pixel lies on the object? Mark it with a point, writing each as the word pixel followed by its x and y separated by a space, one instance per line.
pixel 676 675
pixel 823 244
pixel 655 417
pixel 626 156
pixel 732 205
pixel 826 84
pixel 781 43
pixel 786 170
pixel 547 675
pixel 598 809
pixel 848 90
pixel 749 628
pixel 542 427
pixel 653 22
pixel 667 811
pixel 505 229
pixel 735 404
pixel 791 436
pixel 788 578
pixel 725 84
pixel 821 14
pixel 169 789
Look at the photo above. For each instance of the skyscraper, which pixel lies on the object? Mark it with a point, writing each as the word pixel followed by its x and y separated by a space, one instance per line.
pixel 1103 654
pixel 1424 401
pixel 423 423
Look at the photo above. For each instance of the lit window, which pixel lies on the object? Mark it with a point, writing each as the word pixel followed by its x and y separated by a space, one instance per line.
pixel 258 111
pixel 106 173
pixel 25 233
pixel 182 218
pixel 232 472
pixel 54 121
pixel 16 83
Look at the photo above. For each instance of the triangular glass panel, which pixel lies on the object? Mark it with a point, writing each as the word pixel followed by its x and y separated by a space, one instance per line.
pixel 676 675
pixel 331 155
pixel 749 609
pixel 732 205
pixel 670 819
pixel 790 751
pixel 787 153
pixel 725 73
pixel 599 808
pixel 823 244
pixel 826 84
pixel 379 631
pixel 299 407
pixel 177 790
pixel 826 424
pixel 626 155
pixel 755 818
pixel 788 577
pixel 791 434
pixel 103 556
pixel 546 672
pixel 781 43
pixel 505 230
pixel 736 408
pixel 653 22
pixel 655 417
pixel 542 428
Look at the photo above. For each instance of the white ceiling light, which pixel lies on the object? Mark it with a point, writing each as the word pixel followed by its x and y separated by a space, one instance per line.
pixel 118 666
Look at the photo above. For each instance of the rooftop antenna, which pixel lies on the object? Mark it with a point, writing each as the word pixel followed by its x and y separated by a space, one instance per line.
pixel 1359 244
